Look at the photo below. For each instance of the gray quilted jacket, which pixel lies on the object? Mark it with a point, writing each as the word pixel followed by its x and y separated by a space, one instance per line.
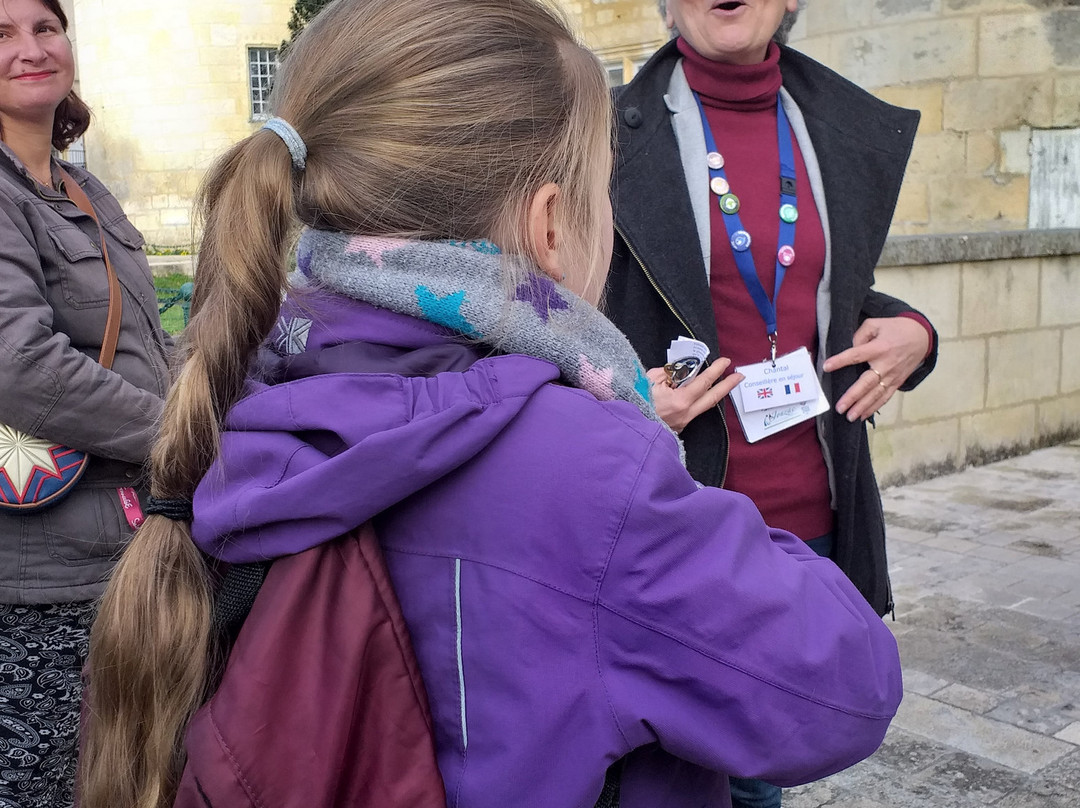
pixel 53 302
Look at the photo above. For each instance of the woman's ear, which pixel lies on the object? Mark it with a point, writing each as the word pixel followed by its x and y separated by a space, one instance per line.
pixel 543 232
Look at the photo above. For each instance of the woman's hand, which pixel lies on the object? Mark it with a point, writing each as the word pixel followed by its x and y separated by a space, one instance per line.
pixel 893 347
pixel 678 406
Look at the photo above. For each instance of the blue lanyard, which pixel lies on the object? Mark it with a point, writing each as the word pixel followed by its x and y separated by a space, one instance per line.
pixel 738 237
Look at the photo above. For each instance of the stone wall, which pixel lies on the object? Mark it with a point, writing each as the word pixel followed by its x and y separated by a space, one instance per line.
pixel 988 76
pixel 168 85
pixel 1007 310
pixel 623 33
pixel 174 95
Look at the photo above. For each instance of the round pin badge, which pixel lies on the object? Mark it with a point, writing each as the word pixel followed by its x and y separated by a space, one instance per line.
pixel 719 186
pixel 740 241
pixel 786 255
pixel 789 213
pixel 716 160
pixel 729 204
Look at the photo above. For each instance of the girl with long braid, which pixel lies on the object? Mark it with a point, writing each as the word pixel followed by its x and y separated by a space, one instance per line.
pixel 437 368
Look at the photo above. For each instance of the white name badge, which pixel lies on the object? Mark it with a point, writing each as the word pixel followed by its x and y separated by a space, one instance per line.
pixel 791 379
pixel 761 422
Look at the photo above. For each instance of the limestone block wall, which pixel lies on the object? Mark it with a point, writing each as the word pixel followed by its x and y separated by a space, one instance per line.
pixel 988 76
pixel 174 94
pixel 621 32
pixel 168 85
pixel 1007 310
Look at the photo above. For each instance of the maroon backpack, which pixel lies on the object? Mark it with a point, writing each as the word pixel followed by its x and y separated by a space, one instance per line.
pixel 321 702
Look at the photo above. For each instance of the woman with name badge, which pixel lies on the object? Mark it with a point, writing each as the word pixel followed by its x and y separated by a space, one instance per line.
pixel 753 194
pixel 83 374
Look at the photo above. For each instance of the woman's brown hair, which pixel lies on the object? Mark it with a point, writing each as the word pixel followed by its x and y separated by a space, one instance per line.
pixel 72 117
pixel 433 120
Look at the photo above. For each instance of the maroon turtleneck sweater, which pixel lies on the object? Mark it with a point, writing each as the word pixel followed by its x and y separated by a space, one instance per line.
pixel 784 474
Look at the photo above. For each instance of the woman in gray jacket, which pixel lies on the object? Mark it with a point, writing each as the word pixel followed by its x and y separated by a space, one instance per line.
pixel 54 299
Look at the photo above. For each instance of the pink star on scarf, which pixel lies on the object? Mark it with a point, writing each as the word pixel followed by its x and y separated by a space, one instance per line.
pixel 598 381
pixel 373 247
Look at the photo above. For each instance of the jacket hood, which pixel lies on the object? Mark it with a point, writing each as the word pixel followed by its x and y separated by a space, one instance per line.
pixel 309 459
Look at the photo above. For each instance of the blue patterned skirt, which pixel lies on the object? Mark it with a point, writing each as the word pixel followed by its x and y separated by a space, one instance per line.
pixel 42 652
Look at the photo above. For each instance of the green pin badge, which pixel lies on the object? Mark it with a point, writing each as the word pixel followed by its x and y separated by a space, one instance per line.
pixel 729 204
pixel 789 213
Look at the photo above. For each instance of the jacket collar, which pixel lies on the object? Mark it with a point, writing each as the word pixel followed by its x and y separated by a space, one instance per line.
pixel 11 162
pixel 861 143
pixel 650 186
pixel 862 146
pixel 826 98
pixel 289 475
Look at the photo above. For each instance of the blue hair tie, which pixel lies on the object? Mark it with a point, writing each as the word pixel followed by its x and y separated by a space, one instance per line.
pixel 297 148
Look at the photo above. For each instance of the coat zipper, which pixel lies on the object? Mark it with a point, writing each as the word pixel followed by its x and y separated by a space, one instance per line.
pixel 690 331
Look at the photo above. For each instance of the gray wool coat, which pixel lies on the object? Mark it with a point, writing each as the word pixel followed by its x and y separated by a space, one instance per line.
pixel 856 148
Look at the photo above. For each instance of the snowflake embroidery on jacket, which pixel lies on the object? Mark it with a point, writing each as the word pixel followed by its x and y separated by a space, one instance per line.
pixel 291 335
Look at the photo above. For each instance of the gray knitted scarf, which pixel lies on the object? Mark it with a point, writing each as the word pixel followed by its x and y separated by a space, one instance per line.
pixel 461 286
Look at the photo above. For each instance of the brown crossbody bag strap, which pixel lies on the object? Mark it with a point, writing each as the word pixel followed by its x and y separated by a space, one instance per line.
pixel 112 320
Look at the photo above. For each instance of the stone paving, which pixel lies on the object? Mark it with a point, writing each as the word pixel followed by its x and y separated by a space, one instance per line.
pixel 986 576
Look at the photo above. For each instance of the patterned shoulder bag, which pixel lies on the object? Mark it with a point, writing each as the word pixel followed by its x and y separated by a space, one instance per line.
pixel 36 473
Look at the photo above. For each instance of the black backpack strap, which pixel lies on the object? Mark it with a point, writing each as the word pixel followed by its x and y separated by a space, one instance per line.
pixel 609 796
pixel 236 595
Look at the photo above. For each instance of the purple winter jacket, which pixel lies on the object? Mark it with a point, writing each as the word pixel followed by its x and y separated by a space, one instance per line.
pixel 572 595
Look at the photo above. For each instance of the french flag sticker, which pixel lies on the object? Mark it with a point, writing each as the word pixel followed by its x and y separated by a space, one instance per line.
pixel 792 388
